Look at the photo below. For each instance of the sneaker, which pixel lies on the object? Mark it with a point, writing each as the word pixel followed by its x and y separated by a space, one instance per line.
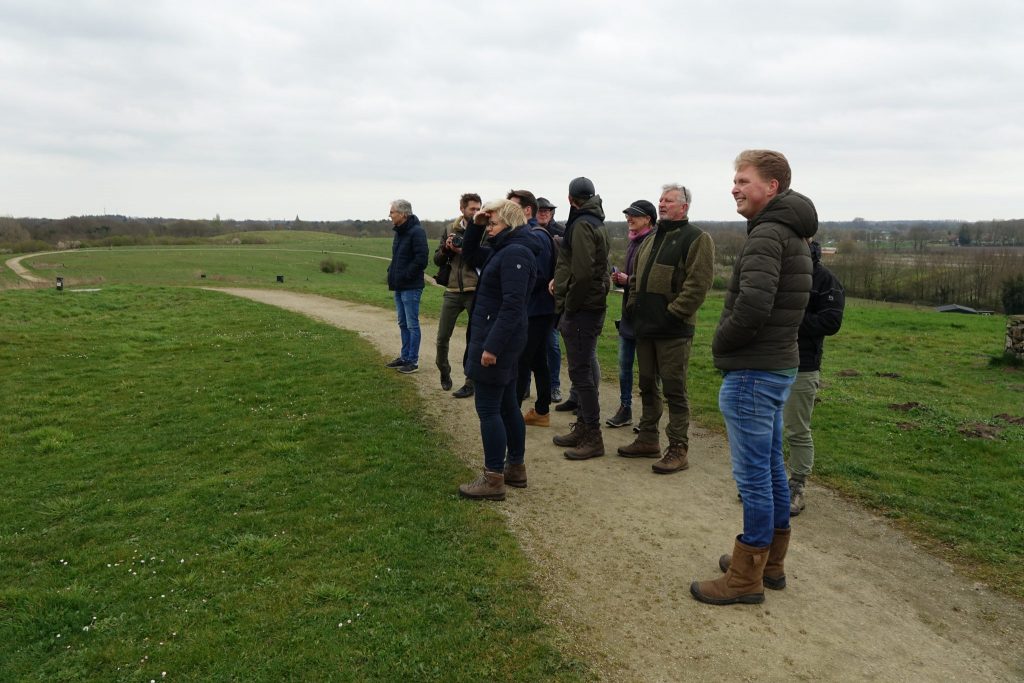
pixel 796 498
pixel 408 368
pixel 446 382
pixel 465 392
pixel 396 363
pixel 623 418
pixel 535 419
pixel 556 395
pixel 636 429
pixel 566 406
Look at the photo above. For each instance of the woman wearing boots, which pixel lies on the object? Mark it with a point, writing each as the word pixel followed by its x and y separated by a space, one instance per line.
pixel 497 337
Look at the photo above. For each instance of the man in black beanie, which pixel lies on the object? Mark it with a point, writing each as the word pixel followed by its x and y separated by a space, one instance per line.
pixel 580 286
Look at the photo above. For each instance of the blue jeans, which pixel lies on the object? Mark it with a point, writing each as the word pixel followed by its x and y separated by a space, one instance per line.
pixel 407 304
pixel 502 429
pixel 751 402
pixel 627 354
pixel 555 360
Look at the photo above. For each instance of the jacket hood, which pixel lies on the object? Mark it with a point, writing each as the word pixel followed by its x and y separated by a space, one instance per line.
pixel 592 206
pixel 410 222
pixel 517 235
pixel 791 209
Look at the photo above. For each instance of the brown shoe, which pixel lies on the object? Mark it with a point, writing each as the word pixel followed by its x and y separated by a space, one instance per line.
pixel 674 460
pixel 572 439
pixel 591 444
pixel 515 475
pixel 742 583
pixel 489 486
pixel 641 448
pixel 536 419
pixel 774 571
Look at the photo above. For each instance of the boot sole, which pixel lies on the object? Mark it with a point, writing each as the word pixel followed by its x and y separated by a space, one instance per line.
pixel 584 457
pixel 749 599
pixel 616 425
pixel 656 454
pixel 664 471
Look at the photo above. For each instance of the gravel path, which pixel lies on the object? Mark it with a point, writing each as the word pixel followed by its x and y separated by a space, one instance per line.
pixel 615 548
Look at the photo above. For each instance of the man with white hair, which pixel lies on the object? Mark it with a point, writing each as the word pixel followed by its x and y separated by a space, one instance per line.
pixel 405 278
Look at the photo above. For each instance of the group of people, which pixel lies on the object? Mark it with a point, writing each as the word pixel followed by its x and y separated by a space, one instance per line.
pixel 524 279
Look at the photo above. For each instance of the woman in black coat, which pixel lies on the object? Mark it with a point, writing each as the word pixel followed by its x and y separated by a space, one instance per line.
pixel 497 337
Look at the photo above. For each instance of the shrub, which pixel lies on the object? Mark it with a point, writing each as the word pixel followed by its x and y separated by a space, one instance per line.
pixel 1013 295
pixel 332 265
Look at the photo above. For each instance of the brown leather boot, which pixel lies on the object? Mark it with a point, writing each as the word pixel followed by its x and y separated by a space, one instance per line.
pixel 674 460
pixel 536 419
pixel 489 486
pixel 591 444
pixel 641 448
pixel 742 583
pixel 515 475
pixel 572 439
pixel 774 571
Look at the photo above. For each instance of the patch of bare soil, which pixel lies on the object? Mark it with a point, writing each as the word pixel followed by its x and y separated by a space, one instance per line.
pixel 979 430
pixel 615 548
pixel 905 407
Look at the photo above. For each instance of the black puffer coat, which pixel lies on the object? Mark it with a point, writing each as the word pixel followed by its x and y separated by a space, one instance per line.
pixel 499 321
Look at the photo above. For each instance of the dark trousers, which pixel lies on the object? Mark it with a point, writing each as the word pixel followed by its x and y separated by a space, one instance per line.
pixel 502 429
pixel 580 330
pixel 535 359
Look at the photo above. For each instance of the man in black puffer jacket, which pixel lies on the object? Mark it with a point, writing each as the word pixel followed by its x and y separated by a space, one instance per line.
pixel 755 346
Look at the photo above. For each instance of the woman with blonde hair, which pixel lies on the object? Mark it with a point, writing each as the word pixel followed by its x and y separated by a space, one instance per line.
pixel 497 337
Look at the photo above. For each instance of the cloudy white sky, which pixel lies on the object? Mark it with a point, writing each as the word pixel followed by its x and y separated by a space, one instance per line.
pixel 887 109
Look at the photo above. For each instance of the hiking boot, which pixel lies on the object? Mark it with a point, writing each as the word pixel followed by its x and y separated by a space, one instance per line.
pixel 446 381
pixel 796 498
pixel 774 569
pixel 623 418
pixel 591 444
pixel 488 486
pixel 396 363
pixel 556 395
pixel 515 475
pixel 465 392
pixel 409 368
pixel 641 448
pixel 535 419
pixel 572 439
pixel 742 582
pixel 674 460
pixel 566 406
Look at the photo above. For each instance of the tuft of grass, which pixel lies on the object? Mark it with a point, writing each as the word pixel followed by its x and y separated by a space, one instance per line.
pixel 332 265
pixel 220 490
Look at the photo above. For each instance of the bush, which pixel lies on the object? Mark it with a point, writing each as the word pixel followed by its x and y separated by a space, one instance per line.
pixel 1013 295
pixel 331 265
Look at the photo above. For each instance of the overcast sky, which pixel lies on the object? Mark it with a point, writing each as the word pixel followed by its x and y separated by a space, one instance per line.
pixel 887 109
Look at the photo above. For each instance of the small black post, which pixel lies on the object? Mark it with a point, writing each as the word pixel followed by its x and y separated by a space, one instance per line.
pixel 280 278
pixel 60 284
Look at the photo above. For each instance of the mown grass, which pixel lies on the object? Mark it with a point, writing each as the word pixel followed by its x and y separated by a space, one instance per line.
pixel 218 490
pixel 960 493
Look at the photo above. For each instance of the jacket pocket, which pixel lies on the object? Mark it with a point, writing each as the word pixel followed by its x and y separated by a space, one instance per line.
pixel 659 281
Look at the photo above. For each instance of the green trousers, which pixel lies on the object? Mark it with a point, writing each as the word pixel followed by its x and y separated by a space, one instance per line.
pixel 664 361
pixel 796 418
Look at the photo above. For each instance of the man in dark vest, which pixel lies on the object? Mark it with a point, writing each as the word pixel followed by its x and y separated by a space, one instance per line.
pixel 673 273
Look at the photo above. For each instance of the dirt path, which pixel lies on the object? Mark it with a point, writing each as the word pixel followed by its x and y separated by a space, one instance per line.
pixel 616 547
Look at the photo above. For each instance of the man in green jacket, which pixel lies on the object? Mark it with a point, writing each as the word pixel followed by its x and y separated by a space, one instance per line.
pixel 673 273
pixel 580 287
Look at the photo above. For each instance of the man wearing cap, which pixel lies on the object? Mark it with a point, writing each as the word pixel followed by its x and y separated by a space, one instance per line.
pixel 546 220
pixel 673 273
pixel 580 287
pixel 640 217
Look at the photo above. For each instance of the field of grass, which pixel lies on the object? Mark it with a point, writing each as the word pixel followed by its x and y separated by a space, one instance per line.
pixel 208 489
pixel 923 466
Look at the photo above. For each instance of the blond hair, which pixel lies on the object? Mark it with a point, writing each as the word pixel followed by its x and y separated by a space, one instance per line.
pixel 510 213
pixel 770 165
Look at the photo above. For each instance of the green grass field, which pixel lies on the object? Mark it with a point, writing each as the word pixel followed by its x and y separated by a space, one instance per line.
pixel 923 466
pixel 220 490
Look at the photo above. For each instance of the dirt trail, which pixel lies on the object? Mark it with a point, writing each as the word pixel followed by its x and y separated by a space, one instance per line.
pixel 616 547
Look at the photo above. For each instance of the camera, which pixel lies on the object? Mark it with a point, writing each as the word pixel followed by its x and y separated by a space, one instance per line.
pixel 457 239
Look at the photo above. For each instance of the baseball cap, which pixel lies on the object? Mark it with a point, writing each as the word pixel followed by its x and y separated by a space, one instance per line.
pixel 642 207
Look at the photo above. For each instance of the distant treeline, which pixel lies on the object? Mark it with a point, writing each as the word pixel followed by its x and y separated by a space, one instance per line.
pixel 911 261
